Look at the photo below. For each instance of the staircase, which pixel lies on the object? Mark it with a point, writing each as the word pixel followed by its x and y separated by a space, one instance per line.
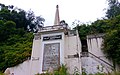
pixel 103 62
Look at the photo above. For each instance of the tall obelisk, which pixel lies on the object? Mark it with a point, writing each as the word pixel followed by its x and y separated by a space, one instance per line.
pixel 57 18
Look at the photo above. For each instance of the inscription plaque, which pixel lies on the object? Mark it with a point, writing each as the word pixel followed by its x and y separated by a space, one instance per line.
pixel 55 37
pixel 51 56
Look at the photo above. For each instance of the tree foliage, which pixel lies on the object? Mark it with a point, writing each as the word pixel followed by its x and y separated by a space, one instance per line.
pixel 110 27
pixel 113 9
pixel 15 36
pixel 15 50
pixel 22 18
pixel 112 46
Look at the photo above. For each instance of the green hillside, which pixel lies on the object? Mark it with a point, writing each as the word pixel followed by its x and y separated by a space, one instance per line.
pixel 16 35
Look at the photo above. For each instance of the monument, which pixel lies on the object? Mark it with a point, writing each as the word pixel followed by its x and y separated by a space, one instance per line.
pixel 55 45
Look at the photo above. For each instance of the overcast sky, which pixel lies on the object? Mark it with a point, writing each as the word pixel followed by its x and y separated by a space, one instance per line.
pixel 70 10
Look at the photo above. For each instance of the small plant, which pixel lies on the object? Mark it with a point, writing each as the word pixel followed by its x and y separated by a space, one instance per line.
pixel 84 73
pixel 62 70
pixel 2 73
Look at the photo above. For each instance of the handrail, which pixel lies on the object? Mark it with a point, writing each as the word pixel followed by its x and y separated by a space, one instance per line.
pixel 101 59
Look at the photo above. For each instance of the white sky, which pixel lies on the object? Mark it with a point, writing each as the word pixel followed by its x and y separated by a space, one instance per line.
pixel 70 10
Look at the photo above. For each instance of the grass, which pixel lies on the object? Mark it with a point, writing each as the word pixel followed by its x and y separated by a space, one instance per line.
pixel 63 71
pixel 2 73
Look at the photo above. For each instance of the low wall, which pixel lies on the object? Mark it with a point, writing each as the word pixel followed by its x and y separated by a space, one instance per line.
pixel 21 69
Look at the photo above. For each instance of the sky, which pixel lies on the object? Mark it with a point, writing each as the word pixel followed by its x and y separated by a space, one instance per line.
pixel 86 11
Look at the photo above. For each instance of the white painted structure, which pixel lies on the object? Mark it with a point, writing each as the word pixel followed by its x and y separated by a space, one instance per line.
pixel 96 60
pixel 64 44
pixel 21 69
pixel 58 44
pixel 69 46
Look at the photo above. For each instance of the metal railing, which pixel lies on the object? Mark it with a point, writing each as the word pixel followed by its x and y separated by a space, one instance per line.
pixel 88 54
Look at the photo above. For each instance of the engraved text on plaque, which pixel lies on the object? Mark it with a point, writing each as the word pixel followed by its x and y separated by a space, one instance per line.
pixel 51 56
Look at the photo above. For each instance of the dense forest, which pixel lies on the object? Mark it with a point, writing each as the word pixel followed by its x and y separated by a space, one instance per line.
pixel 17 27
pixel 16 34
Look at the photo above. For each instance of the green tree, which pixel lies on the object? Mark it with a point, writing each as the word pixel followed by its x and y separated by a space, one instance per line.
pixel 22 18
pixel 34 22
pixel 112 46
pixel 16 49
pixel 113 9
pixel 15 40
pixel 6 29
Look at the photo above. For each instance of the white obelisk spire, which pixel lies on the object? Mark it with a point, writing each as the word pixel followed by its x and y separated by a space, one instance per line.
pixel 57 18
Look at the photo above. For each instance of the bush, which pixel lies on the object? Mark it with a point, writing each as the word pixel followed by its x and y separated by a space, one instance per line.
pixel 2 73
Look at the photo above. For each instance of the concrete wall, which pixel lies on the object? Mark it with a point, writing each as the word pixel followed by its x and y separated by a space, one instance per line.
pixel 91 65
pixel 94 45
pixel 96 61
pixel 21 69
pixel 35 65
pixel 69 45
pixel 72 47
